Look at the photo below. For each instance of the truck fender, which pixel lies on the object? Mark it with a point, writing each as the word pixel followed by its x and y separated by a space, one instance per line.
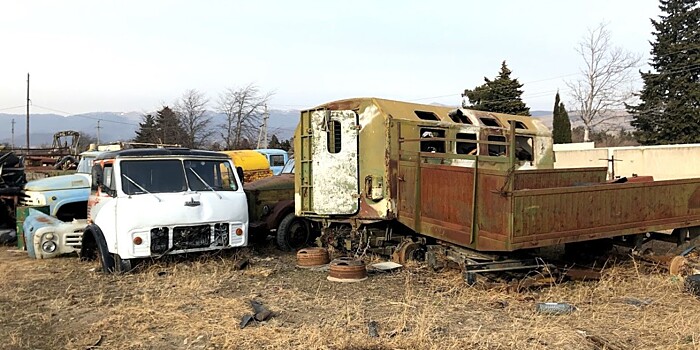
pixel 278 213
pixel 94 242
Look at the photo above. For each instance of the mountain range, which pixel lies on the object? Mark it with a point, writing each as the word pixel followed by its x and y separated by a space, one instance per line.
pixel 120 126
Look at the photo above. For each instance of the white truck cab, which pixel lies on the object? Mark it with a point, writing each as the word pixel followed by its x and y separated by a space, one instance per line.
pixel 152 202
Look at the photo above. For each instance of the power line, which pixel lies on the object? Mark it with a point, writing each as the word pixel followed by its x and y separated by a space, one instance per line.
pixel 6 108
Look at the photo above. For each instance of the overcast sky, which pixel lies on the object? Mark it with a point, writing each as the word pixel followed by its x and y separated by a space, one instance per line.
pixel 86 56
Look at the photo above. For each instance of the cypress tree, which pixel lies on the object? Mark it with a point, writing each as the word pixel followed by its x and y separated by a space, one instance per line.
pixel 561 126
pixel 669 111
pixel 501 95
pixel 565 125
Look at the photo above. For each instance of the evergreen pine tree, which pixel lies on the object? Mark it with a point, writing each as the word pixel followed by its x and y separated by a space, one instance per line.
pixel 501 95
pixel 168 128
pixel 669 111
pixel 147 130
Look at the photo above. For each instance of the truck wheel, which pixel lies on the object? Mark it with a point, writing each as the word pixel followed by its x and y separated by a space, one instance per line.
pixel 293 233
pixel 101 252
pixel 123 265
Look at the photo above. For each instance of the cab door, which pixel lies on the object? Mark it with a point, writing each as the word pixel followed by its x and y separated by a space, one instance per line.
pixel 334 172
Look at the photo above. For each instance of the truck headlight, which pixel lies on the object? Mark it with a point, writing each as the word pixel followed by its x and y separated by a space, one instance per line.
pixel 265 210
pixel 35 198
pixel 48 247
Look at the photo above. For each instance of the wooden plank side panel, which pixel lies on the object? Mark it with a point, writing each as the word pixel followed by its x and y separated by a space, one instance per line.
pixel 596 211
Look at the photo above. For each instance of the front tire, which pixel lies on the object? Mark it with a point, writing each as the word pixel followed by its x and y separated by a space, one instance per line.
pixel 293 233
pixel 96 248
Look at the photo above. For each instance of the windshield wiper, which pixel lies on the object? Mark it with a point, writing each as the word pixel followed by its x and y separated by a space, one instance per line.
pixel 205 183
pixel 141 188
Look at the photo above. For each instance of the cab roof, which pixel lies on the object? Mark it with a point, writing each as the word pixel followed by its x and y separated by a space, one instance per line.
pixel 416 111
pixel 161 152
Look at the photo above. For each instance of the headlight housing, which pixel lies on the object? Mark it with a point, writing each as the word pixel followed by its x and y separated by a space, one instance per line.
pixel 49 247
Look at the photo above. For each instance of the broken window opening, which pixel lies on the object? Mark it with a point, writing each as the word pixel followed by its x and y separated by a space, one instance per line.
pixel 519 124
pixel 427 115
pixel 523 148
pixel 333 136
pixel 466 147
pixel 497 150
pixel 458 117
pixel 432 146
pixel 490 122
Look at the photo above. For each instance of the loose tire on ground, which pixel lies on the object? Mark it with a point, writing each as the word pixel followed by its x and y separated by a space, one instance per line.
pixel 692 284
pixel 293 233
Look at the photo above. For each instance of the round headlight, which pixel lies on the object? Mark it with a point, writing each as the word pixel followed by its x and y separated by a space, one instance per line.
pixel 49 236
pixel 48 247
pixel 265 209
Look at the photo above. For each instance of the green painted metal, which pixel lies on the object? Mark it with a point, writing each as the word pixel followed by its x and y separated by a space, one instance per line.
pixel 21 215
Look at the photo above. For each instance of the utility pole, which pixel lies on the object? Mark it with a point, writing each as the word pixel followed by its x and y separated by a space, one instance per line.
pixel 98 131
pixel 262 136
pixel 27 114
pixel 13 134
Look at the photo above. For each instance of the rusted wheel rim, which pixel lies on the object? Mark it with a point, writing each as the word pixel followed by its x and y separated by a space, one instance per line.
pixel 314 256
pixel 347 269
pixel 675 268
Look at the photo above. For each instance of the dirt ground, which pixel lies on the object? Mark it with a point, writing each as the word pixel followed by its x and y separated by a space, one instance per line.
pixel 197 303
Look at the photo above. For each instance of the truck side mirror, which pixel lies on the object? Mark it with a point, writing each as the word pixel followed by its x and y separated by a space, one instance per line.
pixel 239 171
pixel 96 177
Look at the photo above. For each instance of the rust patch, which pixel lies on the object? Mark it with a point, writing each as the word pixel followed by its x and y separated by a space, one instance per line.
pixel 43 219
pixel 694 200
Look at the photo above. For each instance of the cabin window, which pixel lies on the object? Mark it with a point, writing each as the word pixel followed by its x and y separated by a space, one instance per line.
pixel 490 122
pixel 519 124
pixel 466 147
pixel 427 115
pixel 333 137
pixel 458 117
pixel 497 150
pixel 277 160
pixel 523 148
pixel 432 146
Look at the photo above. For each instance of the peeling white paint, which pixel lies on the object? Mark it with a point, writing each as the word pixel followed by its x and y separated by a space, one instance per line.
pixel 335 175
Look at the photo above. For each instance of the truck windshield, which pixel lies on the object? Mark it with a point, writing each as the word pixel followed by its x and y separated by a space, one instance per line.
pixel 217 174
pixel 289 167
pixel 156 176
pixel 175 175
pixel 85 165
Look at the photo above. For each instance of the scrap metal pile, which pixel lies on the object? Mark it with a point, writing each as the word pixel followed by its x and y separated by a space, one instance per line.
pixel 12 180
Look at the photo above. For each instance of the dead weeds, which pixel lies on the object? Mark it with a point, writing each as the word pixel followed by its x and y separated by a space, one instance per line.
pixel 198 302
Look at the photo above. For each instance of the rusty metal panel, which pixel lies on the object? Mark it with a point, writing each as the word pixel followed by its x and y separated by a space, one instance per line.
pixel 493 206
pixel 447 195
pixel 548 178
pixel 407 189
pixel 558 215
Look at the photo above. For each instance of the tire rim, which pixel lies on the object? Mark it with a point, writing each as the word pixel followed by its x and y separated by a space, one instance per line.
pixel 298 235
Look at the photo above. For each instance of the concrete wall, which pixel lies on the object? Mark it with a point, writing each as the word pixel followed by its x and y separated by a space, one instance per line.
pixel 662 162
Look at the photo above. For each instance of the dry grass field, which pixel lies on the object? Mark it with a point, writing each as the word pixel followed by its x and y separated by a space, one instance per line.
pixel 198 302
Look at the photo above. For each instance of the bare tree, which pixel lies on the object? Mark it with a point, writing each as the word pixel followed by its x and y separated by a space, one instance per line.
pixel 605 82
pixel 191 110
pixel 243 108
